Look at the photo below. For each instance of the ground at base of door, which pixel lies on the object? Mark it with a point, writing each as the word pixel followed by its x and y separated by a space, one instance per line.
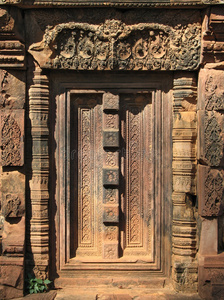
pixel 110 294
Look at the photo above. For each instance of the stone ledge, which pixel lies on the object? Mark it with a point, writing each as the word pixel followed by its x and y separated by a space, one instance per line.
pixel 211 276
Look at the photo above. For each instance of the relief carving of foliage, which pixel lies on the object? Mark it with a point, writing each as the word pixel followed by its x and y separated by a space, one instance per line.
pixel 114 45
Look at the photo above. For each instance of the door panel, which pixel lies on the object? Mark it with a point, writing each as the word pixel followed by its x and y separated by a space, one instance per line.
pixel 86 182
pixel 111 220
pixel 136 168
pixel 113 163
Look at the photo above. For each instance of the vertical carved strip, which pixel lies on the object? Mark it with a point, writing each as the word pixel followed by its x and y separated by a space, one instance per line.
pixel 134 197
pixel 39 194
pixel 184 187
pixel 86 179
pixel 137 168
pixel 86 141
pixel 110 175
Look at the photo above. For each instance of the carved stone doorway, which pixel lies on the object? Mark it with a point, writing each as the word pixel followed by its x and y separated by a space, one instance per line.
pixel 113 162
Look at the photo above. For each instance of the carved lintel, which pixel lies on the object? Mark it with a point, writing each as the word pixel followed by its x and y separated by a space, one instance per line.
pixel 11 138
pixel 114 3
pixel 113 45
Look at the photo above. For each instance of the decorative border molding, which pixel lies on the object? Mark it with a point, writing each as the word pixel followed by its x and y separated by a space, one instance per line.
pixel 112 3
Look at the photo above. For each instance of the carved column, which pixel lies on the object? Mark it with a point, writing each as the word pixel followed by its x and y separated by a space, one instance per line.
pixel 39 194
pixel 184 269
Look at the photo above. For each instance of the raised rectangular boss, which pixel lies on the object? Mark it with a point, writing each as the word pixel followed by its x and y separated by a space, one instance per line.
pixel 111 138
pixel 111 176
pixel 110 101
pixel 111 213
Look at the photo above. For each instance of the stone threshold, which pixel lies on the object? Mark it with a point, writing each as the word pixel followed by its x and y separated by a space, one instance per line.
pixel 111 294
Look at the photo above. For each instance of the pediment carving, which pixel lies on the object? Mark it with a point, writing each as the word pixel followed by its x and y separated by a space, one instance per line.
pixel 114 45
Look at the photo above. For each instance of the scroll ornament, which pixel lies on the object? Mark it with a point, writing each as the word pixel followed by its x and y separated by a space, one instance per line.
pixel 114 45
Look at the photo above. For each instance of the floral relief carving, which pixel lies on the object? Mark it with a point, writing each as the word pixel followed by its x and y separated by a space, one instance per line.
pixel 213 95
pixel 213 140
pixel 86 230
pixel 134 178
pixel 10 141
pixel 12 207
pixel 110 196
pixel 214 191
pixel 111 233
pixel 114 45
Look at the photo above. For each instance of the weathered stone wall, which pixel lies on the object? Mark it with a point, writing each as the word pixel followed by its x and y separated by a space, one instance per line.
pixel 12 203
pixel 211 157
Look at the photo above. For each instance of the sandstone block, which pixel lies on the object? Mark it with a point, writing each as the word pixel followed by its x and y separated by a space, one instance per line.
pixel 211 277
pixel 12 137
pixel 211 90
pixel 210 140
pixel 210 191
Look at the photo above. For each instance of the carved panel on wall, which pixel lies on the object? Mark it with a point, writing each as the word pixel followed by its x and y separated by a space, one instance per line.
pixel 211 191
pixel 213 95
pixel 211 85
pixel 211 140
pixel 86 118
pixel 113 45
pixel 137 133
pixel 12 132
pixel 13 206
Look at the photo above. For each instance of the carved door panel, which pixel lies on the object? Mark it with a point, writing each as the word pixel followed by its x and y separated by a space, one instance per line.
pixel 113 176
pixel 111 191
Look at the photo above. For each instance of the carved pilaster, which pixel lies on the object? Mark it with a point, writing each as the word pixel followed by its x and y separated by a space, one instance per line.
pixel 184 187
pixel 39 194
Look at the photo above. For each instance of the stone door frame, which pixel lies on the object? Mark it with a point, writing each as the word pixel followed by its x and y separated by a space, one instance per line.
pixel 163 115
pixel 183 183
